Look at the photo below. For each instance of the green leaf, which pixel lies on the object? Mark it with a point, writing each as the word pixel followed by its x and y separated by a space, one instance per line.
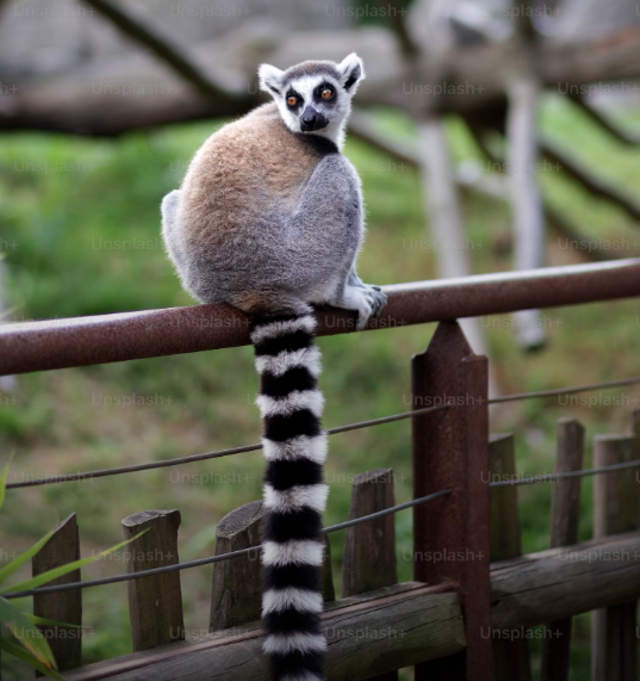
pixel 18 651
pixel 9 312
pixel 49 575
pixel 9 569
pixel 51 623
pixel 3 479
pixel 27 633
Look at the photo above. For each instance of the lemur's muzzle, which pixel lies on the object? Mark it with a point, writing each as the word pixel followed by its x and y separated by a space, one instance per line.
pixel 311 120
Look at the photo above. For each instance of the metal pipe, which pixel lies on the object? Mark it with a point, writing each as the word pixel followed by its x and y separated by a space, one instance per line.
pixel 81 341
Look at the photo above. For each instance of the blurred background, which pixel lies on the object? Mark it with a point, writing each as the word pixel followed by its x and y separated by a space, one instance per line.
pixel 489 136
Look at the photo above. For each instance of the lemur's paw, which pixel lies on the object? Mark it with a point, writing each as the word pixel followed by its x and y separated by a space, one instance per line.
pixel 380 300
pixel 371 303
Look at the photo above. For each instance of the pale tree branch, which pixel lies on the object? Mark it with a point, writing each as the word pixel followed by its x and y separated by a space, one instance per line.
pixel 523 90
pixel 528 221
pixel 555 219
pixel 468 178
pixel 563 228
pixel 362 128
pixel 594 185
pixel 441 199
pixel 65 102
pixel 609 126
pixel 522 155
pixel 7 383
pixel 397 10
pixel 450 244
pixel 161 47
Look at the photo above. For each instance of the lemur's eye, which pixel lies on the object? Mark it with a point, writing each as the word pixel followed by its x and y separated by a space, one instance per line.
pixel 292 101
pixel 327 93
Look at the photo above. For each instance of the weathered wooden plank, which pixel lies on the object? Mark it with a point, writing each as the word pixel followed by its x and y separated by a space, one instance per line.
pixel 65 606
pixel 411 622
pixel 615 509
pixel 511 658
pixel 369 634
pixel 565 515
pixel 450 450
pixel 369 560
pixel 155 603
pixel 565 581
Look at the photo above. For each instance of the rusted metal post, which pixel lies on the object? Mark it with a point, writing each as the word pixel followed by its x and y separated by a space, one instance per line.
pixel 565 514
pixel 451 534
pixel 65 606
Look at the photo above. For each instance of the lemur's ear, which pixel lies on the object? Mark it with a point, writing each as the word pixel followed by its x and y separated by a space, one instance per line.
pixel 352 72
pixel 270 79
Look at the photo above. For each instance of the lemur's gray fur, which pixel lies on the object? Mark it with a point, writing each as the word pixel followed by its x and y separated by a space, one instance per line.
pixel 269 217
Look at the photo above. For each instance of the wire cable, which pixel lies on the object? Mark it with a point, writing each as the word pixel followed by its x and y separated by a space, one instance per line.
pixel 554 477
pixel 216 559
pixel 101 473
pixel 75 477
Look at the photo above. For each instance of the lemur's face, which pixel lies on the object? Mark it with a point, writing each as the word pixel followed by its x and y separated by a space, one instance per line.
pixel 315 96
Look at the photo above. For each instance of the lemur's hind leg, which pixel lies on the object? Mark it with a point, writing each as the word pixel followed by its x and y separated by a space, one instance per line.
pixel 330 258
pixel 169 210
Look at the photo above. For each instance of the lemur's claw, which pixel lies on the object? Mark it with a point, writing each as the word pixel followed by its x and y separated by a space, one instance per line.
pixel 375 301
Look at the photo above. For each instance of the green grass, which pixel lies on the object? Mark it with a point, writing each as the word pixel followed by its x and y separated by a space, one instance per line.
pixel 87 242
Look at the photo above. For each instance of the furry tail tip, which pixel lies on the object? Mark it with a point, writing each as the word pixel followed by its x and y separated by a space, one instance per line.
pixel 295 495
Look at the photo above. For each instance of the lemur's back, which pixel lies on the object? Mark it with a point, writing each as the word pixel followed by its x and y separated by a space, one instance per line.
pixel 237 220
pixel 248 174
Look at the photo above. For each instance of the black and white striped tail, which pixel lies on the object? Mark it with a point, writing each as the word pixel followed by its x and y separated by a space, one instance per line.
pixel 294 492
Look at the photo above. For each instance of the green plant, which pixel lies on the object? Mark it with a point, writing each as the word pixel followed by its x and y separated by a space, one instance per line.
pixel 31 646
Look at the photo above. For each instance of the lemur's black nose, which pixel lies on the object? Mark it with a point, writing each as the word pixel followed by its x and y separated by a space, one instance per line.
pixel 311 120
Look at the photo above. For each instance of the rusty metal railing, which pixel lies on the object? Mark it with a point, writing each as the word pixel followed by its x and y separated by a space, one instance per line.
pixel 81 341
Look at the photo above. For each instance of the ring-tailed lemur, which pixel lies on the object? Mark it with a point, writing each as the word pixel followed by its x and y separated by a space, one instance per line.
pixel 269 219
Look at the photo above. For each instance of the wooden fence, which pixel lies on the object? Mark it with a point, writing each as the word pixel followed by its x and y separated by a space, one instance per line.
pixel 474 595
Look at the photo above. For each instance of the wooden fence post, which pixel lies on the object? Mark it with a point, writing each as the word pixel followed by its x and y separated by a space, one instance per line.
pixel 511 659
pixel 451 534
pixel 235 593
pixel 65 606
pixel 370 549
pixel 155 603
pixel 565 516
pixel 327 575
pixel 236 584
pixel 613 635
pixel 369 561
